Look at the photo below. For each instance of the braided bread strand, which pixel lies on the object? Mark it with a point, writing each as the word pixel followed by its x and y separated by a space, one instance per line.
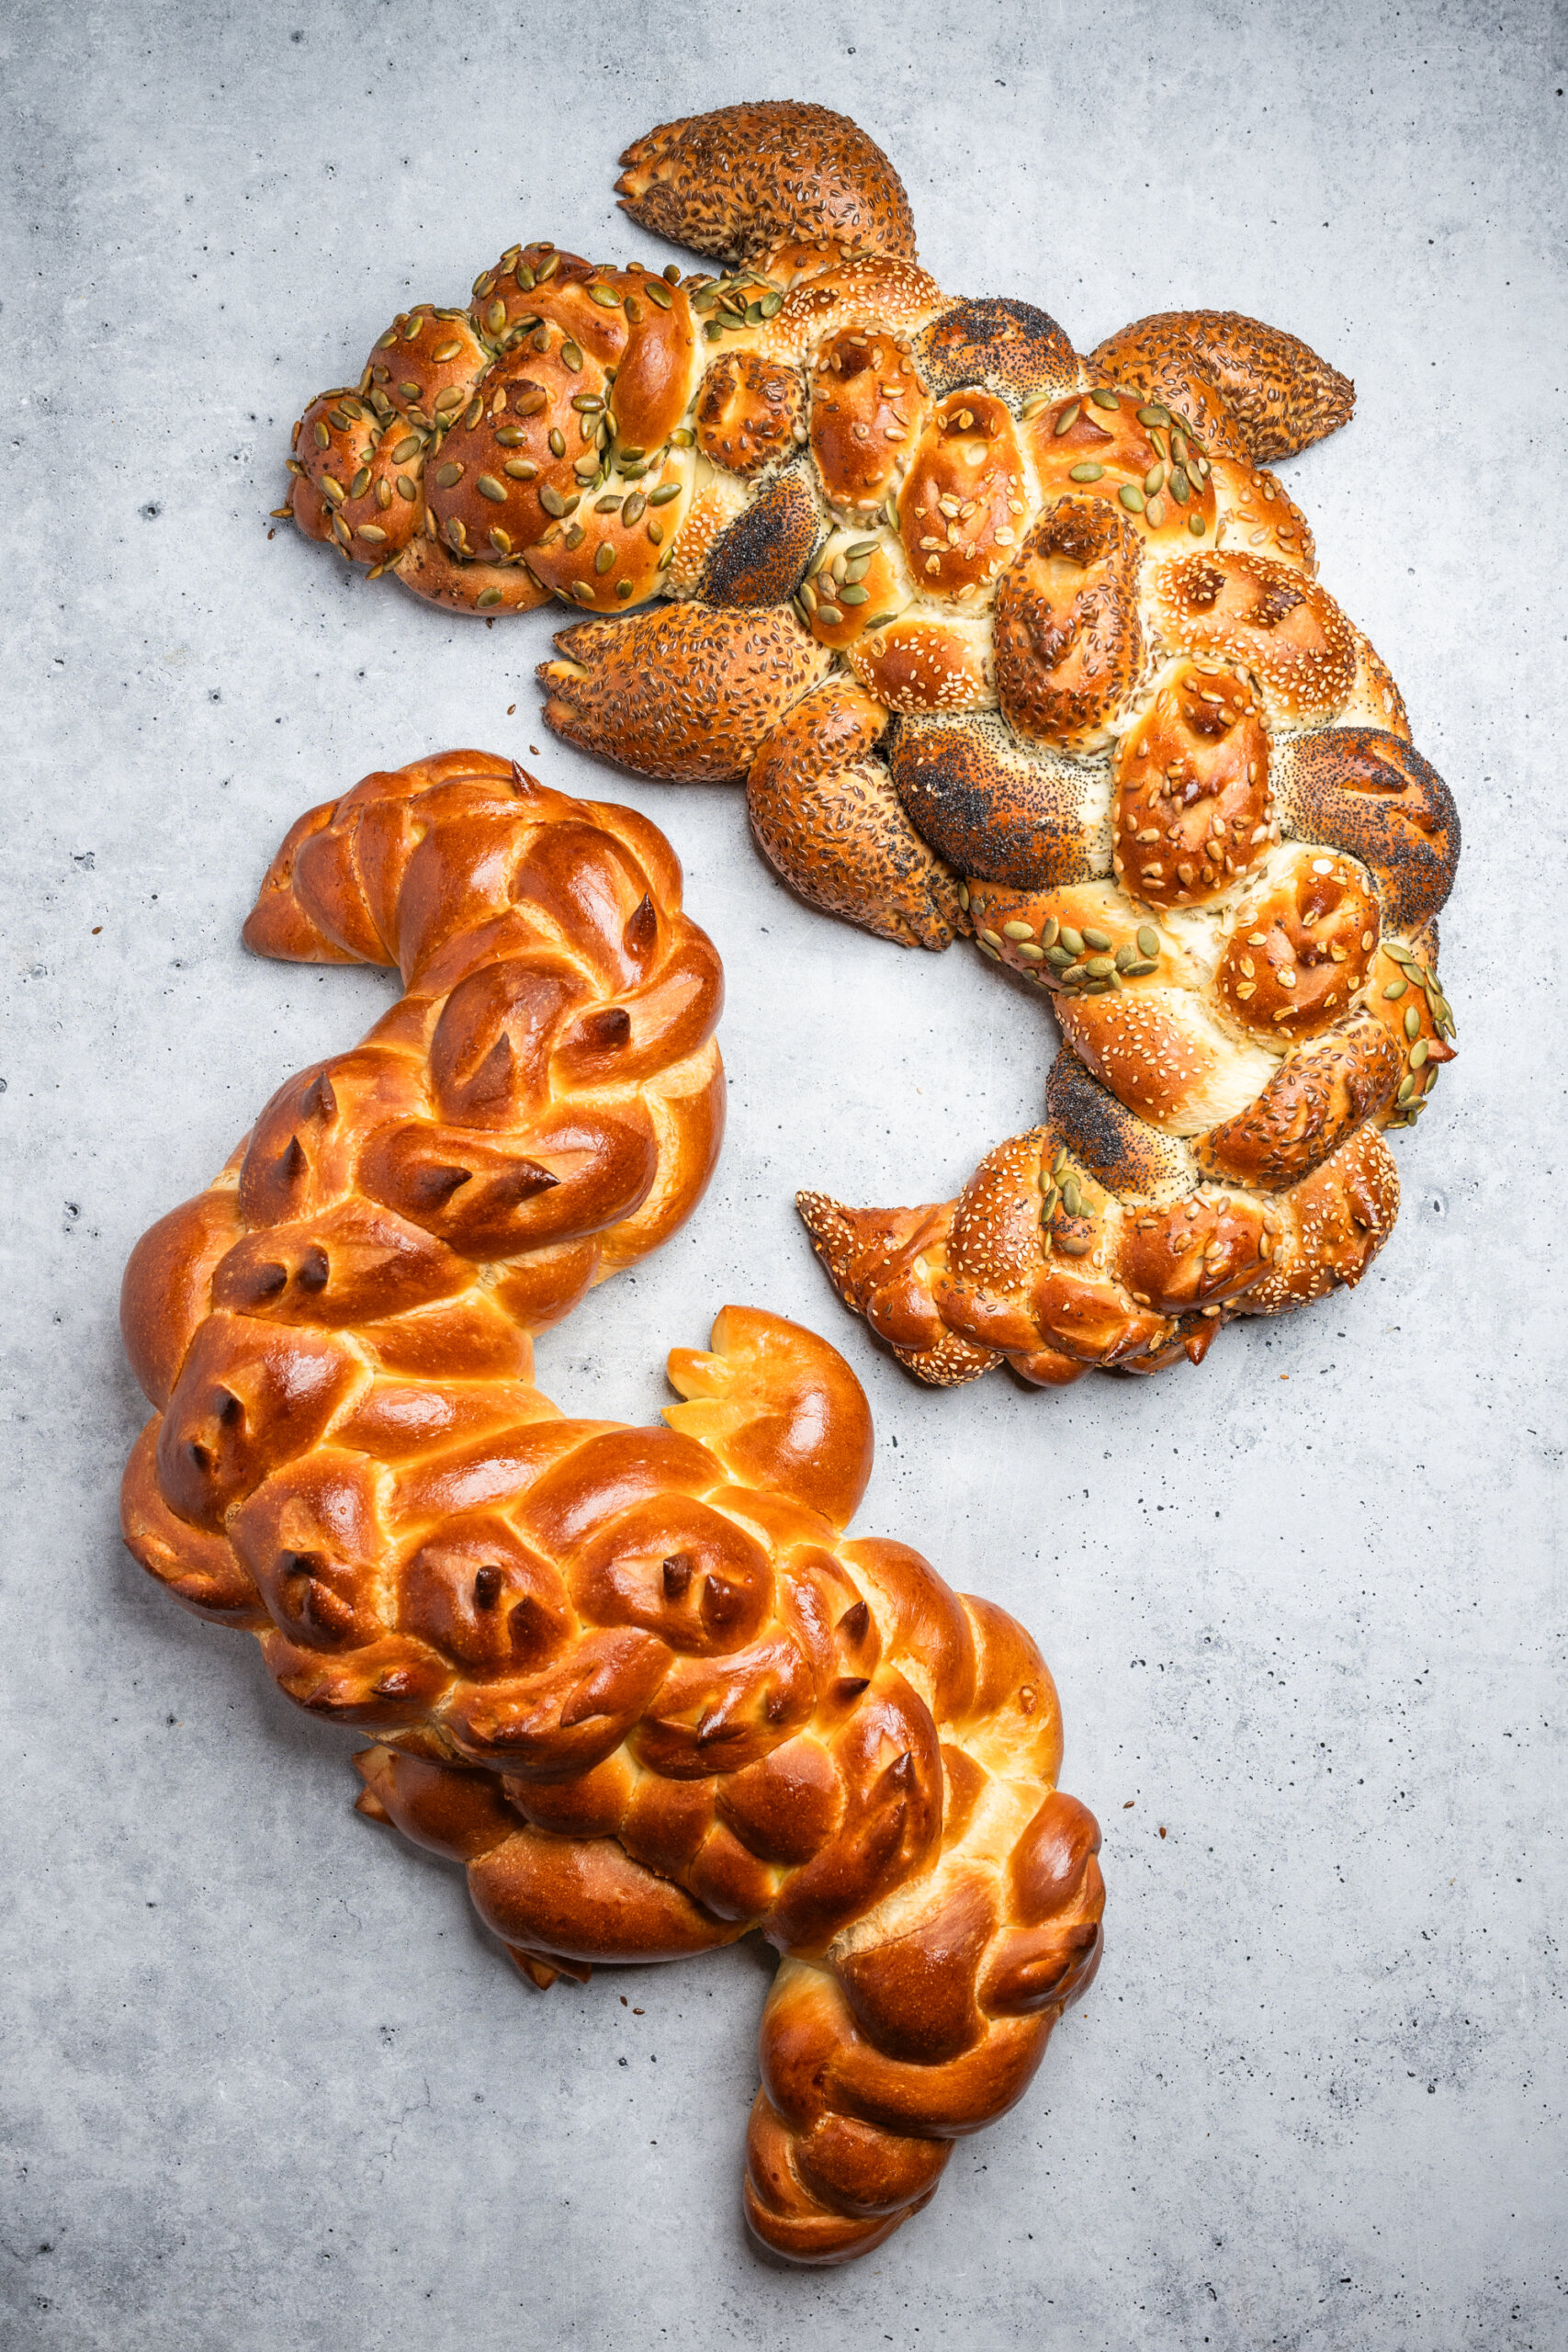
pixel 633 1680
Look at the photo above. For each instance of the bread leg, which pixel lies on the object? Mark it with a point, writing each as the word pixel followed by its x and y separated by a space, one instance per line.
pixel 679 692
pixel 826 818
pixel 1253 391
pixel 739 182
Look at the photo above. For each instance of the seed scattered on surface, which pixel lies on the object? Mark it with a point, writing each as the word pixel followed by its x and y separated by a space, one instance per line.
pixel 1050 932
pixel 604 558
pixel 1131 497
pixel 1097 939
pixel 1017 930
pixel 1102 397
pixel 1069 417
pixel 1412 1021
pixel 1149 939
pixel 1071 940
pixel 1087 473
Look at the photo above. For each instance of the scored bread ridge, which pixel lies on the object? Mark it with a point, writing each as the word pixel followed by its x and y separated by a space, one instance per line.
pixel 635 1681
pixel 1006 643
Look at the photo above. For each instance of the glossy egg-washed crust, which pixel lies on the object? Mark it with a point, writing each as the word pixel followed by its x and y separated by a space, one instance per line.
pixel 1004 641
pixel 635 1680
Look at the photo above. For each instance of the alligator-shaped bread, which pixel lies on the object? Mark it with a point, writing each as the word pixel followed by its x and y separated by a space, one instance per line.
pixel 1003 640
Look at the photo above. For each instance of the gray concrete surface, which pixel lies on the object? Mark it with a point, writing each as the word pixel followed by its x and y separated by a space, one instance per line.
pixel 266 2083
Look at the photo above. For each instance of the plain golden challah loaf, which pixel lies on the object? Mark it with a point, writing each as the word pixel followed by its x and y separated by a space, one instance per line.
pixel 1004 641
pixel 635 1680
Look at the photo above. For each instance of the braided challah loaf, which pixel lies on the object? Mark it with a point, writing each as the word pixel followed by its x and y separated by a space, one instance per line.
pixel 1005 641
pixel 634 1679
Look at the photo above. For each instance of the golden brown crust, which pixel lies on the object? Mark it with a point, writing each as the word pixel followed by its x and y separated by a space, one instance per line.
pixel 1319 1095
pixel 855 583
pixel 356 487
pixel 434 572
pixel 1005 346
pixel 684 692
pixel 1039 1262
pixel 751 411
pixel 1137 455
pixel 466 459
pixel 759 559
pixel 1301 946
pixel 1266 617
pixel 1069 640
pixel 922 665
pixel 744 179
pixel 1368 793
pixel 635 1682
pixel 1254 514
pixel 1192 805
pixel 963 509
pixel 865 293
pixel 826 815
pixel 1000 810
pixel 867 410
pixel 1280 395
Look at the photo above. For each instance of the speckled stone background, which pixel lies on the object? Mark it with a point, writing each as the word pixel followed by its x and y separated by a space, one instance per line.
pixel 265 2082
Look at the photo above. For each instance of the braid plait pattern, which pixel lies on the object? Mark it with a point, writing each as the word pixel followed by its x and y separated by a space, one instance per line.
pixel 635 1681
pixel 1007 641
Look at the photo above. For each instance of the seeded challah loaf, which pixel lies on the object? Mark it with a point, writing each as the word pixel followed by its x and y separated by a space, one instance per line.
pixel 1003 641
pixel 635 1680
